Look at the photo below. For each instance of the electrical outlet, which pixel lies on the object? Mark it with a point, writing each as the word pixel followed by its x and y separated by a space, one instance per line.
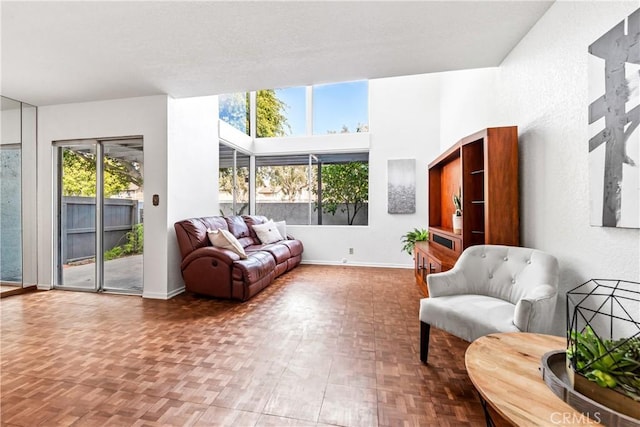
pixel 344 260
pixel 350 251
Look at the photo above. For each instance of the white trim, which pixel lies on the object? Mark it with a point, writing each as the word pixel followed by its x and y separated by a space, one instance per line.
pixel 164 296
pixel 29 200
pixel 175 292
pixel 44 287
pixel 253 115
pixel 357 264
pixel 234 138
pixel 155 295
pixel 252 185
pixel 309 110
pixel 316 144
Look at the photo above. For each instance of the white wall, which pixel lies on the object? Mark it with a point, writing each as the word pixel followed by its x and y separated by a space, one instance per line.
pixel 467 103
pixel 10 122
pixel 542 87
pixel 340 142
pixel 146 116
pixel 192 171
pixel 404 124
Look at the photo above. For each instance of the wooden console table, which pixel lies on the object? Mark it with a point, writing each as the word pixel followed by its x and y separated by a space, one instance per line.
pixel 505 369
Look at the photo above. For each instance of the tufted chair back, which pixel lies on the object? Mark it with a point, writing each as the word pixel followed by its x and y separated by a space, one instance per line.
pixel 506 272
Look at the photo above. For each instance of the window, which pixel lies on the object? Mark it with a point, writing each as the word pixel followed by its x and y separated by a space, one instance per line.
pixel 233 182
pixel 281 112
pixel 299 188
pixel 335 108
pixel 234 109
pixel 329 189
pixel 283 188
pixel 341 108
pixel 343 189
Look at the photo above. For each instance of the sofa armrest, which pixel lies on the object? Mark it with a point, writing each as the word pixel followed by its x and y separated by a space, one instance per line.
pixel 532 311
pixel 450 282
pixel 222 255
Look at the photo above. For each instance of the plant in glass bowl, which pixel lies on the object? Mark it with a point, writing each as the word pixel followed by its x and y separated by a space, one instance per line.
pixel 603 343
pixel 608 363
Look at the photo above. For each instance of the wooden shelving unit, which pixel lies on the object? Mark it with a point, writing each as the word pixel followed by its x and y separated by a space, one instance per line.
pixel 484 168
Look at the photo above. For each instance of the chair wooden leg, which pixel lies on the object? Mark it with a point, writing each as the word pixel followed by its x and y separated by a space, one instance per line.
pixel 424 341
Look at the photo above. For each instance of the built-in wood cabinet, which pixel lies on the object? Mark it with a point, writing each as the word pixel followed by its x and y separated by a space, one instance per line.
pixel 483 167
pixel 431 258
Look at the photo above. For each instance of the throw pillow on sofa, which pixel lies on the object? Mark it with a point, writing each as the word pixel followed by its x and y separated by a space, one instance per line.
pixel 267 232
pixel 226 240
pixel 282 228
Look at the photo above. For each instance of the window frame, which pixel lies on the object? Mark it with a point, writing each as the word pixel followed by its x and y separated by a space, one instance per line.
pixel 235 152
pixel 309 112
pixel 313 179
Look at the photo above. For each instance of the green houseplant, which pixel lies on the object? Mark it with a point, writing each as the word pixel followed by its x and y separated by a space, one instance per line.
pixel 457 216
pixel 603 344
pixel 410 238
pixel 608 363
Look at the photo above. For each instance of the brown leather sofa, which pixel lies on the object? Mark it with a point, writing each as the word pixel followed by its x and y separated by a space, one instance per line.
pixel 220 272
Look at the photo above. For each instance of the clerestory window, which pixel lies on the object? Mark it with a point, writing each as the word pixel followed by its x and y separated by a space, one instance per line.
pixel 300 111
pixel 234 109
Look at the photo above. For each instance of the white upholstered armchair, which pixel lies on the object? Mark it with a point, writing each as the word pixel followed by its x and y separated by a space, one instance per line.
pixel 491 289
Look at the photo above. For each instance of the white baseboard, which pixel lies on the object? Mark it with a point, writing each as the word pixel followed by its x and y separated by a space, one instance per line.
pixel 355 264
pixel 175 292
pixel 160 295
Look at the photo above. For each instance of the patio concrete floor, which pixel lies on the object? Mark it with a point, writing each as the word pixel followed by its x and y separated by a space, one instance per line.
pixel 119 274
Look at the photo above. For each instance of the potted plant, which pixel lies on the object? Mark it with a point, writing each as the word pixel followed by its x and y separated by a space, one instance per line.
pixel 603 343
pixel 606 371
pixel 457 216
pixel 411 237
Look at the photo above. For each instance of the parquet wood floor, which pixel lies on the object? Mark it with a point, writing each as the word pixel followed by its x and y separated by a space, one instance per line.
pixel 322 346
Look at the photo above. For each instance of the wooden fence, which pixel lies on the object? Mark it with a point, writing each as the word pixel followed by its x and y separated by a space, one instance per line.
pixel 78 223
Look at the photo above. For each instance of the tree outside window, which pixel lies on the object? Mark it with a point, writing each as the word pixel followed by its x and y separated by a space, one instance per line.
pixel 283 183
pixel 345 188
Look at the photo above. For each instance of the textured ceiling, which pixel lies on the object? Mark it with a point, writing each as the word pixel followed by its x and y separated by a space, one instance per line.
pixel 61 52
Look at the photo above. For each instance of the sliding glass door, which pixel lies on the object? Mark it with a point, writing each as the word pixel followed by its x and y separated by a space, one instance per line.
pixel 77 217
pixel 100 215
pixel 122 242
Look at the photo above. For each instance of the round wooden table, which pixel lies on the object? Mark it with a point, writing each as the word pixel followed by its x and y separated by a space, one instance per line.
pixel 505 369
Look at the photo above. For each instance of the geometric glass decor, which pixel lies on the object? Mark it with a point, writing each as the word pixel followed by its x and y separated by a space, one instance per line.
pixel 603 336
